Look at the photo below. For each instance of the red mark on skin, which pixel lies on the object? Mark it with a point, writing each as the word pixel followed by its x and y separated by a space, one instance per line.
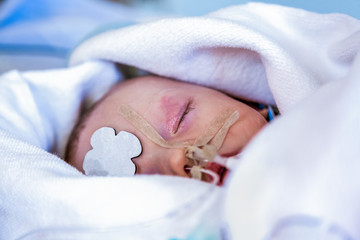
pixel 173 109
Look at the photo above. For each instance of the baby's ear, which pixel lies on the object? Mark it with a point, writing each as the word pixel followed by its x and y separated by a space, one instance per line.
pixel 111 154
pixel 263 112
pixel 268 112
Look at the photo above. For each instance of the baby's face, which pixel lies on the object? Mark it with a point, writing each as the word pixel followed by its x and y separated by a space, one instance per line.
pixel 178 111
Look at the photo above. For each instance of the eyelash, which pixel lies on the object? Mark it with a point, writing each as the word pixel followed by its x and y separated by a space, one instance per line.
pixel 188 108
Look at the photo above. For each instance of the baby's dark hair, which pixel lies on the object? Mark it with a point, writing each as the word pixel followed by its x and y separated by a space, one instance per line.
pixel 85 114
pixel 73 139
pixel 128 72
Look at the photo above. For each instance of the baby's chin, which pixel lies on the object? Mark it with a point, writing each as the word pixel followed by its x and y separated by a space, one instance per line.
pixel 230 153
pixel 233 144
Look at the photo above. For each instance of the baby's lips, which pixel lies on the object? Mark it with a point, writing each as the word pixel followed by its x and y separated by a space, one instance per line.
pixel 218 169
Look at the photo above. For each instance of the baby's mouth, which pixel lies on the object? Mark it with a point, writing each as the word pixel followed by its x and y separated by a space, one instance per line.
pixel 187 169
pixel 217 169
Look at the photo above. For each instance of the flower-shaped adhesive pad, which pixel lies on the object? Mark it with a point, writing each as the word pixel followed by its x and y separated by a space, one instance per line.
pixel 111 154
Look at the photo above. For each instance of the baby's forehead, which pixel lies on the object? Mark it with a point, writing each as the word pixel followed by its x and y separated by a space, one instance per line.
pixel 147 82
pixel 145 88
pixel 138 85
pixel 125 92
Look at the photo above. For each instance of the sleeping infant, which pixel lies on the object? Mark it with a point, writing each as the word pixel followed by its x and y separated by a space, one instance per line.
pixel 180 127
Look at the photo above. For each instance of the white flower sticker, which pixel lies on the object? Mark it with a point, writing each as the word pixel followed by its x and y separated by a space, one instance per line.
pixel 111 154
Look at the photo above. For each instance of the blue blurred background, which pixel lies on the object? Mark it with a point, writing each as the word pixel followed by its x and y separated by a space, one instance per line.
pixel 198 7
pixel 40 34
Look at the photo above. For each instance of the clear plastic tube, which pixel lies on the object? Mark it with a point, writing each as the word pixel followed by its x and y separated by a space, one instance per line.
pixel 215 171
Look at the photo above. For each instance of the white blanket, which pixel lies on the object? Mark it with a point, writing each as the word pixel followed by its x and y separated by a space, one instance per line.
pixel 41 195
pixel 299 60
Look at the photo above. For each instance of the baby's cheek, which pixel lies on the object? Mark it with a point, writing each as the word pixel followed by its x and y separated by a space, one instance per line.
pixel 232 145
pixel 239 135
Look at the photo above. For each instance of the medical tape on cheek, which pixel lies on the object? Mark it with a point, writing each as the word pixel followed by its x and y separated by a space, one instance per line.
pixel 213 128
pixel 205 146
pixel 219 138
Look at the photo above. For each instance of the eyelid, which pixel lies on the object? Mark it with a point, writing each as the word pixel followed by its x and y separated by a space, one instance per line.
pixel 188 108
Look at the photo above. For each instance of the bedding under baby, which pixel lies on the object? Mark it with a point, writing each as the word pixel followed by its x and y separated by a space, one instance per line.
pixel 298 177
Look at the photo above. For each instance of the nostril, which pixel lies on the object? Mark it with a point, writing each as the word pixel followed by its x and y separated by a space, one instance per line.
pixel 187 169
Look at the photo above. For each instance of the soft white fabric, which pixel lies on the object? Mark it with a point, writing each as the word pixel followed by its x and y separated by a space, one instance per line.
pixel 238 50
pixel 265 53
pixel 305 165
pixel 41 195
pixel 40 106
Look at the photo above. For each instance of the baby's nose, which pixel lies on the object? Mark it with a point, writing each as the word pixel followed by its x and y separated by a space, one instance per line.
pixel 176 163
pixel 165 162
